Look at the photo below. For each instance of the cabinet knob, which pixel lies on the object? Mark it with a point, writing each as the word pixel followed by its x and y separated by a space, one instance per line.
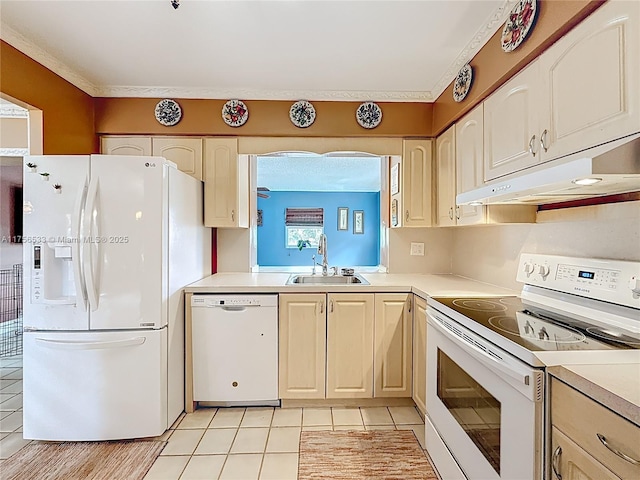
pixel 555 462
pixel 406 215
pixel 233 214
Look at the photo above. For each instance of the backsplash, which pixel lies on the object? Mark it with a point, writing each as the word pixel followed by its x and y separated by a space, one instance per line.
pixel 490 253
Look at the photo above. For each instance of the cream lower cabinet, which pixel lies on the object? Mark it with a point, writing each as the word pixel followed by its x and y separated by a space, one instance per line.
pixel 420 354
pixel 345 345
pixel 589 441
pixel 302 347
pixel 350 321
pixel 393 345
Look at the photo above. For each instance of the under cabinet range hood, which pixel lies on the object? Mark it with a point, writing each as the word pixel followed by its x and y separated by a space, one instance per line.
pixel 607 169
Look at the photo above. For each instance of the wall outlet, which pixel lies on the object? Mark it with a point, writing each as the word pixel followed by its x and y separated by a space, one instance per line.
pixel 417 248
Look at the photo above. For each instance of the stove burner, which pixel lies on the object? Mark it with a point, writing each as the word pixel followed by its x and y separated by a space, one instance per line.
pixel 511 301
pixel 534 332
pixel 480 305
pixel 613 336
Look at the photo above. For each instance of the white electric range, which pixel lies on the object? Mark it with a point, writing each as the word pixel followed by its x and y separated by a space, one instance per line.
pixel 486 357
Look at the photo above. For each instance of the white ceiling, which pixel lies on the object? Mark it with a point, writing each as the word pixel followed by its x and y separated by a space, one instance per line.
pixel 316 173
pixel 389 50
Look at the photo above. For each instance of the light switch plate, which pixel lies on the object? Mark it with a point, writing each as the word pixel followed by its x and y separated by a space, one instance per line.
pixel 417 248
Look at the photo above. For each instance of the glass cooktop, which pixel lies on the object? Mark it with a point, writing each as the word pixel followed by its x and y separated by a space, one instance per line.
pixel 534 329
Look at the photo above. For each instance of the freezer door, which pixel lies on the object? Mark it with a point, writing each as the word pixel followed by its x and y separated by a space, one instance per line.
pixel 126 261
pixel 54 193
pixel 95 386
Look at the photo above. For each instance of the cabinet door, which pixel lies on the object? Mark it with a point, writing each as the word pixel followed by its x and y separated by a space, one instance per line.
pixel 570 462
pixel 416 183
pixel 511 125
pixel 125 145
pixel 592 80
pixel 302 345
pixel 446 175
pixel 226 184
pixel 392 346
pixel 420 354
pixel 186 153
pixel 350 345
pixel 470 163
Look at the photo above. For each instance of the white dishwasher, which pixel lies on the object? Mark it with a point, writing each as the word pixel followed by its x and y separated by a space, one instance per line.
pixel 235 349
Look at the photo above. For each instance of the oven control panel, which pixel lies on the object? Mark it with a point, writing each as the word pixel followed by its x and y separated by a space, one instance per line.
pixel 613 281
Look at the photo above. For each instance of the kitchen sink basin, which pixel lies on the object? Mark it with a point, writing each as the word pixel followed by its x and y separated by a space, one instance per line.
pixel 328 280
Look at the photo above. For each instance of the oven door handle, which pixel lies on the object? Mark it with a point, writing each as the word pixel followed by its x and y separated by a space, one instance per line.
pixel 485 358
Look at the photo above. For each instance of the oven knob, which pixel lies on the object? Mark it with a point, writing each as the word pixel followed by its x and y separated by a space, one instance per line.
pixel 543 270
pixel 528 268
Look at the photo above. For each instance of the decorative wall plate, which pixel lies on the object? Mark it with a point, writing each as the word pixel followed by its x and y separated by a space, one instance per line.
pixel 369 115
pixel 168 112
pixel 517 26
pixel 462 83
pixel 302 114
pixel 235 113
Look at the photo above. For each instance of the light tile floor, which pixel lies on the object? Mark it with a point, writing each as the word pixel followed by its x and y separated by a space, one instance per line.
pixel 256 443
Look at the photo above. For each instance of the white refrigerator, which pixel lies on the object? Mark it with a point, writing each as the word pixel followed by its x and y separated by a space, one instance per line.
pixel 109 242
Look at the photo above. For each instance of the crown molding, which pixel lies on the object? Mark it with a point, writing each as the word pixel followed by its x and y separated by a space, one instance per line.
pixel 481 37
pixel 17 40
pixel 255 94
pixel 14 152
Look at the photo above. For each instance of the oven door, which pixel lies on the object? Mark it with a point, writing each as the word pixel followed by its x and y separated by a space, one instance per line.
pixel 485 405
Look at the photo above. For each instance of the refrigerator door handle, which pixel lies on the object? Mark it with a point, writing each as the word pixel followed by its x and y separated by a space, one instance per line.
pixel 89 242
pixel 71 345
pixel 76 247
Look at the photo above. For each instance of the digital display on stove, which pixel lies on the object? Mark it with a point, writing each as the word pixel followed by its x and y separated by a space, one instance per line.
pixel 585 274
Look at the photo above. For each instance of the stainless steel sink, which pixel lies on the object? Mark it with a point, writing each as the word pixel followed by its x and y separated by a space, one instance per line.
pixel 328 280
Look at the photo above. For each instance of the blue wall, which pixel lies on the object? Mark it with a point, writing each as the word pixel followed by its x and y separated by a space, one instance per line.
pixel 345 249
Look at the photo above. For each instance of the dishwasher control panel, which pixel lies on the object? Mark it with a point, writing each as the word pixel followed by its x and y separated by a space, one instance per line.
pixel 208 300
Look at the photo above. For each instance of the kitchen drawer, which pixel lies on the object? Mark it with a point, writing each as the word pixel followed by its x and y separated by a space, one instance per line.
pixel 581 419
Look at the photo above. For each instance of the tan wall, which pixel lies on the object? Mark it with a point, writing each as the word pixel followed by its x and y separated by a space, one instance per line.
pixel 266 118
pixel 492 66
pixel 14 133
pixel 491 253
pixel 67 110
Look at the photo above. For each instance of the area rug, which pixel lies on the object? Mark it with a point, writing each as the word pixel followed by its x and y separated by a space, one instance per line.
pixel 122 460
pixel 378 454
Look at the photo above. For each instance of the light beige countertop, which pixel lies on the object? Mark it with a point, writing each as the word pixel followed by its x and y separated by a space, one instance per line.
pixel 424 285
pixel 616 386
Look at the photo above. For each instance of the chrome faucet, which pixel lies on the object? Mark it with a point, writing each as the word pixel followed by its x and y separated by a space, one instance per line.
pixel 322 250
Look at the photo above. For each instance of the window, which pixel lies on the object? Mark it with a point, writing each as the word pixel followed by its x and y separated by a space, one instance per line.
pixel 303 224
pixel 307 234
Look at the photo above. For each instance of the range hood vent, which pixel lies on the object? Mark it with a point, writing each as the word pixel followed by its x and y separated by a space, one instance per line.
pixel 614 167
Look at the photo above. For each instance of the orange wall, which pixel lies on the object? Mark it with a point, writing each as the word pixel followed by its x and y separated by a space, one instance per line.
pixel 492 66
pixel 266 118
pixel 67 111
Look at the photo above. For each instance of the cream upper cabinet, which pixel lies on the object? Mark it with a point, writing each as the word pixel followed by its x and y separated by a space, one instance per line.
pixel 350 345
pixel 589 441
pixel 470 163
pixel 185 152
pixel 226 184
pixel 393 345
pixel 125 145
pixel 420 354
pixel 302 347
pixel 511 125
pixel 446 177
pixel 591 77
pixel 415 184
